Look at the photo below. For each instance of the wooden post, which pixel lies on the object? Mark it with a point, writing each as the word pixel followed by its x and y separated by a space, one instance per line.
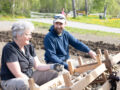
pixel 80 61
pixel 108 62
pixel 99 52
pixel 98 59
pixel 100 62
pixel 67 80
pixel 31 83
pixel 71 68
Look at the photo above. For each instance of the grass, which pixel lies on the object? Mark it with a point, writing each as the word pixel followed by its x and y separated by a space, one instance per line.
pixel 9 17
pixel 42 25
pixel 80 31
pixel 70 29
pixel 92 19
pixel 93 32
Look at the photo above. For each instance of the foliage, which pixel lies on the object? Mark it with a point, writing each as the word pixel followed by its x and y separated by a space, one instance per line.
pixel 112 6
pixel 15 7
pixel 23 7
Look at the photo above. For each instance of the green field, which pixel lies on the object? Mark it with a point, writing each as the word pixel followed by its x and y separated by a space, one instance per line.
pixel 92 19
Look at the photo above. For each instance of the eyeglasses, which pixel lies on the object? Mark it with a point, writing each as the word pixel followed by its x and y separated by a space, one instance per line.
pixel 59 17
pixel 28 34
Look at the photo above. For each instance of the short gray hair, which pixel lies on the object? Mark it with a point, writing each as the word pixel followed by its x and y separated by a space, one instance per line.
pixel 20 26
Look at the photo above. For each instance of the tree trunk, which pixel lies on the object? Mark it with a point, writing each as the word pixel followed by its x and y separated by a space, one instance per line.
pixel 86 7
pixel 74 10
pixel 105 11
pixel 13 6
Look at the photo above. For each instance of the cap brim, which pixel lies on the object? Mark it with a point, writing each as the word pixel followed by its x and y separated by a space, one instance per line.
pixel 59 20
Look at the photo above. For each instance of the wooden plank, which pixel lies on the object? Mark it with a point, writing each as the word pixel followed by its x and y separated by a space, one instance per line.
pixel 97 81
pixel 53 83
pixel 89 78
pixel 87 67
pixel 105 86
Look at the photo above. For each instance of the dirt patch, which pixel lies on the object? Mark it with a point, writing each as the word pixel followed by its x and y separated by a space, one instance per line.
pixel 37 40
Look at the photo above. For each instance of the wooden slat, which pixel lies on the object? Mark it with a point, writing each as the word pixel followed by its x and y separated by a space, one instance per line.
pixel 85 68
pixel 89 78
pixel 53 83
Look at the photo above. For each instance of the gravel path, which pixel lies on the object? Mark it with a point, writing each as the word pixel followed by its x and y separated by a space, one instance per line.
pixel 79 25
pixel 6 25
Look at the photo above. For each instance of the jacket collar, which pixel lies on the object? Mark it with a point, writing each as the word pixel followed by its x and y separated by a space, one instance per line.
pixel 52 30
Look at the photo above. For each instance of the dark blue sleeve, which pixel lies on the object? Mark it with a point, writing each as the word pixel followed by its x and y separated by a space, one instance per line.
pixel 77 44
pixel 50 50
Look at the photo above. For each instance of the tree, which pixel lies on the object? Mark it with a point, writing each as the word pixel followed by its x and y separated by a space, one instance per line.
pixel 86 7
pixel 74 10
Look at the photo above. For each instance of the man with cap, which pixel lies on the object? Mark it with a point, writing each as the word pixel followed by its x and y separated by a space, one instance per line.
pixel 57 43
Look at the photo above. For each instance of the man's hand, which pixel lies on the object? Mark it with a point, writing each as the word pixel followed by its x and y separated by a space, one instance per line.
pixel 92 54
pixel 58 67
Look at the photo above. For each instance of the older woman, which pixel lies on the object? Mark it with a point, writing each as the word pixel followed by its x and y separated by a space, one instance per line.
pixel 19 58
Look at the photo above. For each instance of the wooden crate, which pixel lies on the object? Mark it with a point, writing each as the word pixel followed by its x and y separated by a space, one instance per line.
pixel 65 82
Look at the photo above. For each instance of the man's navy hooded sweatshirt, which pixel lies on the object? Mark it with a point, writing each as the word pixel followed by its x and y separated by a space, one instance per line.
pixel 57 46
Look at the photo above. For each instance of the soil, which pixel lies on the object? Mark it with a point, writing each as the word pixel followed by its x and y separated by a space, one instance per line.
pixel 93 41
pixel 37 40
